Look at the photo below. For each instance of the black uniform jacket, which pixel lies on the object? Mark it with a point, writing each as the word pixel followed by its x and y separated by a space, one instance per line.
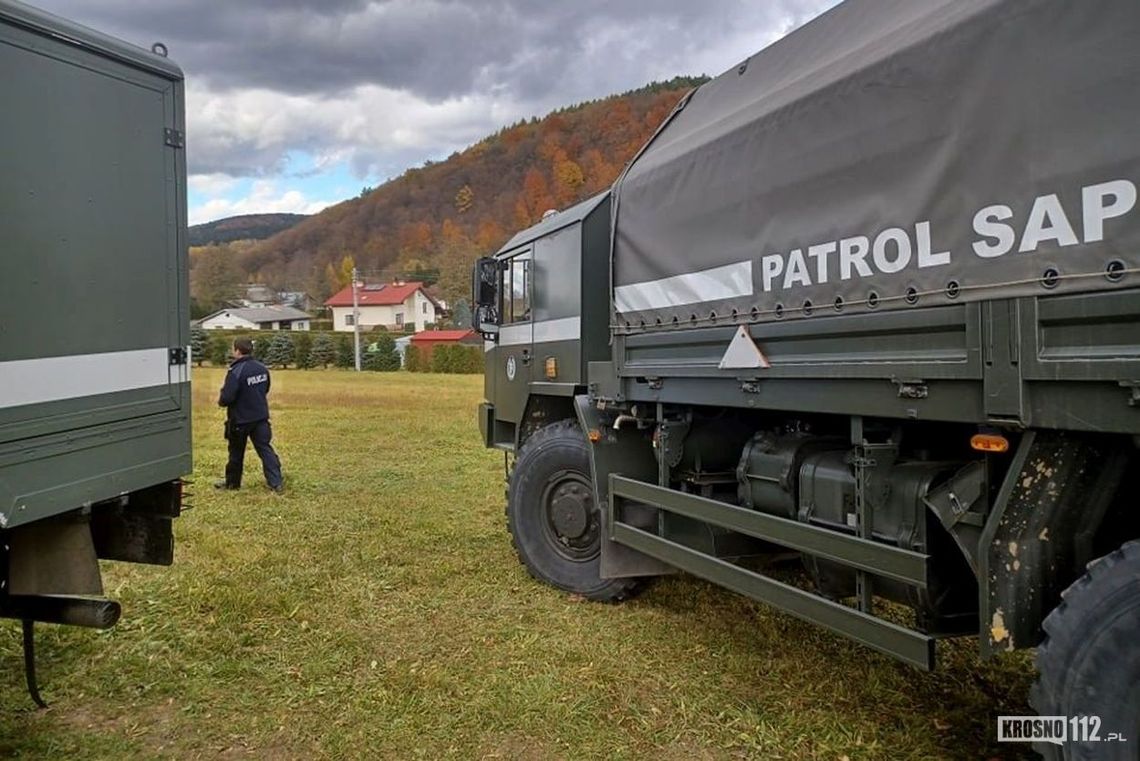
pixel 245 390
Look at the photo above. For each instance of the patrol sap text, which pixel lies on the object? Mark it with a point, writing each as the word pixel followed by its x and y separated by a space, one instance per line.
pixel 896 248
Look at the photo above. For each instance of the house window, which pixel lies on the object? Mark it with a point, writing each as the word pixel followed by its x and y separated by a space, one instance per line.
pixel 424 305
pixel 349 320
pixel 399 318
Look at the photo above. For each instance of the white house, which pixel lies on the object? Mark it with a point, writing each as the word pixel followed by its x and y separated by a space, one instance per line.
pixel 391 305
pixel 257 318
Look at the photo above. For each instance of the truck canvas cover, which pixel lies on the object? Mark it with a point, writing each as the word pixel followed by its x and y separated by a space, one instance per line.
pixel 893 154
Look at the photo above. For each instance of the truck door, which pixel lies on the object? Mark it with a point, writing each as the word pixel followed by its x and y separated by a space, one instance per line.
pixel 93 320
pixel 557 307
pixel 516 337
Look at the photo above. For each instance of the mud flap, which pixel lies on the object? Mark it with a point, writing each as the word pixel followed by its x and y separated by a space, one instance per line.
pixel 1038 538
pixel 53 557
pixel 624 452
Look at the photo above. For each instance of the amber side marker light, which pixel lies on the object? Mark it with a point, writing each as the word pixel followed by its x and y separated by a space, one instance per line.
pixel 989 442
pixel 594 435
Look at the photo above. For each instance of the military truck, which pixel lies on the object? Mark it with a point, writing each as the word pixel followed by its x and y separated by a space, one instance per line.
pixel 94 315
pixel 870 299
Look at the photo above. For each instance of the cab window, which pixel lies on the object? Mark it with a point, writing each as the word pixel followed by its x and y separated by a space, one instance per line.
pixel 516 289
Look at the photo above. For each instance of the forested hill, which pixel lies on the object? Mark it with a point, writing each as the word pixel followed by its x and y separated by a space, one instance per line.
pixel 436 219
pixel 245 227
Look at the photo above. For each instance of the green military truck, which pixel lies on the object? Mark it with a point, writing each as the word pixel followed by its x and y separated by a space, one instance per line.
pixel 870 298
pixel 94 315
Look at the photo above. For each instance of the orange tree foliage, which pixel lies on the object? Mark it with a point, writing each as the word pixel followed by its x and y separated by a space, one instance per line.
pixel 446 214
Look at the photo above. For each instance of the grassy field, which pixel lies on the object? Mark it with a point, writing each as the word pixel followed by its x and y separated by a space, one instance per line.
pixel 377 611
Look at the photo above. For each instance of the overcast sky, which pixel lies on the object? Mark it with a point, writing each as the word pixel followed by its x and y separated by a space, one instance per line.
pixel 296 104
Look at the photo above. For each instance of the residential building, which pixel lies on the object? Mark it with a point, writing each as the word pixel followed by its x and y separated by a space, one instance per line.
pixel 256 318
pixel 427 340
pixel 389 305
pixel 257 295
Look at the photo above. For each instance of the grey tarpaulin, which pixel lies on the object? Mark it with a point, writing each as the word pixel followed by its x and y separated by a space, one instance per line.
pixel 890 154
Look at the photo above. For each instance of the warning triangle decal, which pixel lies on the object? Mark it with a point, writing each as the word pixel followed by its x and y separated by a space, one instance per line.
pixel 743 353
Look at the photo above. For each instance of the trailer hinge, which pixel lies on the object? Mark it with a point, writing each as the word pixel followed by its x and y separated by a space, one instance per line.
pixel 1134 387
pixel 173 137
pixel 178 355
pixel 911 389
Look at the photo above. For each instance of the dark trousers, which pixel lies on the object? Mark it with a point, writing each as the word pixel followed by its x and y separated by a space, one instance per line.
pixel 261 435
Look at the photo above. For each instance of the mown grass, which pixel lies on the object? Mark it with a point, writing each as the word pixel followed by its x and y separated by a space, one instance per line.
pixel 378 611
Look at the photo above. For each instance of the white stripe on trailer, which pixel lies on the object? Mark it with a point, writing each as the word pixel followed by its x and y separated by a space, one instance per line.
pixel 53 379
pixel 727 282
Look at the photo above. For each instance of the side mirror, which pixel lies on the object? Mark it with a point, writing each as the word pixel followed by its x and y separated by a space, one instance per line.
pixel 485 297
pixel 485 283
pixel 486 321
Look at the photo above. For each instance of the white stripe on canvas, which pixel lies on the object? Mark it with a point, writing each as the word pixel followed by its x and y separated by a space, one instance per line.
pixel 565 329
pixel 727 282
pixel 52 379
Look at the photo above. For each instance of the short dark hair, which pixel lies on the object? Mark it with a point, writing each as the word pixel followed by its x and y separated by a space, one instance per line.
pixel 244 346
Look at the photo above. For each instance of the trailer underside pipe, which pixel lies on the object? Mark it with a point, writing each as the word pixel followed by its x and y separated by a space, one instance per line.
pixel 94 613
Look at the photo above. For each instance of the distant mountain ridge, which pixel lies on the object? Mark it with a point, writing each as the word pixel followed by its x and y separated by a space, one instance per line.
pixel 242 227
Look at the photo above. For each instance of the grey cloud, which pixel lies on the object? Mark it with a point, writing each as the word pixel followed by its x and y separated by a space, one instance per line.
pixel 433 48
pixel 524 56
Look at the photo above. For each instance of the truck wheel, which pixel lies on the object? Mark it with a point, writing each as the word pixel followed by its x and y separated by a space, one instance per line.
pixel 1089 664
pixel 555 525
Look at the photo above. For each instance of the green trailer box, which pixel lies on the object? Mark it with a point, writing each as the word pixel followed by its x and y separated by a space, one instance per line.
pixel 94 314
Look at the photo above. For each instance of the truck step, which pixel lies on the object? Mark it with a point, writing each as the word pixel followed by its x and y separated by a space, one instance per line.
pixel 907 645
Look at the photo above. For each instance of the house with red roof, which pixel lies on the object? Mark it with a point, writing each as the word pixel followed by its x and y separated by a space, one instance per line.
pixel 427 340
pixel 391 305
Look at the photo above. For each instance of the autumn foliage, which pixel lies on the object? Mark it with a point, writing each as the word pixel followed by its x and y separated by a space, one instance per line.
pixel 441 216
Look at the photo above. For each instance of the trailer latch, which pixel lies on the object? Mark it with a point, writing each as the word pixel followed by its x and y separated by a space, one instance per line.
pixel 911 389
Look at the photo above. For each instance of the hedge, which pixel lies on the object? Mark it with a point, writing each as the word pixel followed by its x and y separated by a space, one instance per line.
pixel 309 349
pixel 444 358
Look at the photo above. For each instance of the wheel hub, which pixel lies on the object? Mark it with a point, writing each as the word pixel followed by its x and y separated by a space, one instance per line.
pixel 572 524
pixel 569 511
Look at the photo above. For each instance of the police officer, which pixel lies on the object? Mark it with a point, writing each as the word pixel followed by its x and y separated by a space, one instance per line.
pixel 247 417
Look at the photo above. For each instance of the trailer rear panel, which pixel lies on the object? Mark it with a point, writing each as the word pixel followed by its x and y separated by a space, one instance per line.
pixel 94 383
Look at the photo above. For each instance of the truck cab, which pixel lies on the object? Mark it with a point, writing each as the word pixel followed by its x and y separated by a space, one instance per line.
pixel 541 327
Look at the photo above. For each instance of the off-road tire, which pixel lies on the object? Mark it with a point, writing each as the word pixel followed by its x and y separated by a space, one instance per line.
pixel 556 457
pixel 1089 663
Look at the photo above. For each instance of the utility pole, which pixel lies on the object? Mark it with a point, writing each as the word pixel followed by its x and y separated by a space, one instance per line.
pixel 356 317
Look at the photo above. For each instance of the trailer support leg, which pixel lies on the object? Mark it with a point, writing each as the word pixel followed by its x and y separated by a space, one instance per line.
pixel 30 662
